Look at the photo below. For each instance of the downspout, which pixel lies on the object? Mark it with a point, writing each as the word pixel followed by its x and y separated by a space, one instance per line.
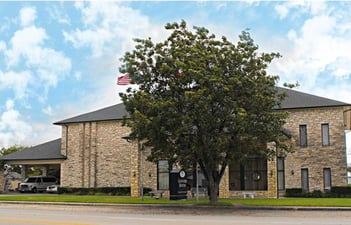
pixel 66 142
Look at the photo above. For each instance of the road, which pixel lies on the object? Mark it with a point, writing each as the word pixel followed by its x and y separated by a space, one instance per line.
pixel 24 214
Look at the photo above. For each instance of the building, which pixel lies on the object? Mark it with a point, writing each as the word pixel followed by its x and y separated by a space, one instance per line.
pixel 92 152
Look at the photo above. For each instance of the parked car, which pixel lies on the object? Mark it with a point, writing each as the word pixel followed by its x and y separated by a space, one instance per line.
pixel 52 188
pixel 35 184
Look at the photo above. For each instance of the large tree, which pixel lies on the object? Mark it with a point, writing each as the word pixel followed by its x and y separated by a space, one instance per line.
pixel 202 99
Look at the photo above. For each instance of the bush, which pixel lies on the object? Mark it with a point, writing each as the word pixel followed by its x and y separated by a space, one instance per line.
pixel 120 191
pixel 341 191
pixel 294 192
pixel 317 194
pixel 335 192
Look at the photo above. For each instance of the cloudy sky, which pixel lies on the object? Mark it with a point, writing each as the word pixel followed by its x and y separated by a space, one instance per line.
pixel 61 59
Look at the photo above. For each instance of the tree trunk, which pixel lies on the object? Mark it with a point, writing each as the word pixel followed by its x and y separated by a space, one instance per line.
pixel 213 190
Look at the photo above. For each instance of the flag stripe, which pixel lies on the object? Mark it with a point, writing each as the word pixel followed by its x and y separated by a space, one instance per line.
pixel 123 80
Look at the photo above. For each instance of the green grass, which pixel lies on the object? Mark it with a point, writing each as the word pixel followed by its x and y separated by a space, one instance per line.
pixel 321 202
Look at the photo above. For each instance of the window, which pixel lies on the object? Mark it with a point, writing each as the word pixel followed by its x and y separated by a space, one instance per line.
pixel 162 175
pixel 327 179
pixel 325 134
pixel 304 180
pixel 251 175
pixel 303 135
pixel 281 171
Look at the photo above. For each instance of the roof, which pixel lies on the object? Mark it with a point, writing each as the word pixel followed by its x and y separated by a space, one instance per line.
pixel 115 112
pixel 296 99
pixel 48 150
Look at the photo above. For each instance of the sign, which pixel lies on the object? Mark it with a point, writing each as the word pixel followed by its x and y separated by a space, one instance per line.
pixel 178 185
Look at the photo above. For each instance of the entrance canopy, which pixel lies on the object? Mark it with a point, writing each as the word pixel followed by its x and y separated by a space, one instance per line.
pixel 46 153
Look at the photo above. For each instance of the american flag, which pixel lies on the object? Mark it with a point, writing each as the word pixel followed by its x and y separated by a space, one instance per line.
pixel 123 80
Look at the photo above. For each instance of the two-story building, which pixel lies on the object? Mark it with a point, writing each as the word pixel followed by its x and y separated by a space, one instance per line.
pixel 93 152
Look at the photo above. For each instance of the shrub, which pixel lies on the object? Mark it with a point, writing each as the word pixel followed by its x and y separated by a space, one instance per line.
pixel 294 192
pixel 120 191
pixel 341 191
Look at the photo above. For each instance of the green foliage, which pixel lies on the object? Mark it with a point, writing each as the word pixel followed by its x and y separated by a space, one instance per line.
pixel 294 192
pixel 6 151
pixel 202 99
pixel 119 191
pixel 341 191
pixel 15 148
pixel 335 192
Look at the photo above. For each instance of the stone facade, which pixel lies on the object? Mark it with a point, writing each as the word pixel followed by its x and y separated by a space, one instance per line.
pixel 315 157
pixel 97 156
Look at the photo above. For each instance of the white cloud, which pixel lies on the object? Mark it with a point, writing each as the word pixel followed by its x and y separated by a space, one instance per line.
pixel 27 16
pixel 58 14
pixel 16 81
pixel 13 127
pixel 27 48
pixel 298 7
pixel 110 28
pixel 2 45
pixel 319 48
pixel 78 75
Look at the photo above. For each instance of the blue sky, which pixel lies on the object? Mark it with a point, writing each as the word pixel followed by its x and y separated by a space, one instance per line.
pixel 61 59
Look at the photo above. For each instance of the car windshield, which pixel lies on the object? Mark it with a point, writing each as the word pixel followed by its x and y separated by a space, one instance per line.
pixel 30 180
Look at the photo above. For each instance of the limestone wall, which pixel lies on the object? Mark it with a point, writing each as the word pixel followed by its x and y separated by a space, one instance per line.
pixel 97 156
pixel 315 157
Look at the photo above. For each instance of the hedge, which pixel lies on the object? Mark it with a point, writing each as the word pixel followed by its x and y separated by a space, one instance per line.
pixel 335 192
pixel 118 191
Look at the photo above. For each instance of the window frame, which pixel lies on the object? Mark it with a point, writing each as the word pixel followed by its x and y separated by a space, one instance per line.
pixel 303 135
pixel 325 142
pixel 281 173
pixel 305 184
pixel 325 187
pixel 164 172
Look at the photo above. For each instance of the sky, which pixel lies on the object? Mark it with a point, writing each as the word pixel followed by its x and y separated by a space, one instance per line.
pixel 61 59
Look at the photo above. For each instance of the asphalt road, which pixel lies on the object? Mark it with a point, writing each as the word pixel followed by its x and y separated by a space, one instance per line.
pixel 32 214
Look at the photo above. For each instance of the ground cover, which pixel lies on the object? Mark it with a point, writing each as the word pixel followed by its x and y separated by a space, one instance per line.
pixel 319 202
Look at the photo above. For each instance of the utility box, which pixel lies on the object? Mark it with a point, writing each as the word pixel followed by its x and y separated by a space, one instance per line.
pixel 178 185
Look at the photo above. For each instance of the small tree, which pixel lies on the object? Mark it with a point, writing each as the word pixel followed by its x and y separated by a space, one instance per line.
pixel 202 100
pixel 12 149
pixel 6 151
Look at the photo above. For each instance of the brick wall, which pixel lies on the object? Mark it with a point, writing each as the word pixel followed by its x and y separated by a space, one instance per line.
pixel 97 156
pixel 315 157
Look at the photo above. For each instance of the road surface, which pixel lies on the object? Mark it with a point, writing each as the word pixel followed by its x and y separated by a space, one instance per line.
pixel 24 214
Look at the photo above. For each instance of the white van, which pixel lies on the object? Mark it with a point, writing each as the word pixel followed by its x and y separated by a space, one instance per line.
pixel 35 184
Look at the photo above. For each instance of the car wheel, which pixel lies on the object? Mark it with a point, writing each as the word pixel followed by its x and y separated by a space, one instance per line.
pixel 34 190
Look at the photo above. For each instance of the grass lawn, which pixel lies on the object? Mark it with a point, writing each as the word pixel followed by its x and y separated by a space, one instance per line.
pixel 321 202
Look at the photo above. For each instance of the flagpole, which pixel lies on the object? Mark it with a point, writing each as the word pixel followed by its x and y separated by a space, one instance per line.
pixel 197 182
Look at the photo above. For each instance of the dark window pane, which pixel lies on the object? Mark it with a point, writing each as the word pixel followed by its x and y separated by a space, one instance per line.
pixel 325 134
pixel 304 180
pixel 327 179
pixel 251 175
pixel 303 135
pixel 162 175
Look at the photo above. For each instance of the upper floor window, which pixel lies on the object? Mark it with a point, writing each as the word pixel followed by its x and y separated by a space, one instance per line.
pixel 325 134
pixel 303 135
